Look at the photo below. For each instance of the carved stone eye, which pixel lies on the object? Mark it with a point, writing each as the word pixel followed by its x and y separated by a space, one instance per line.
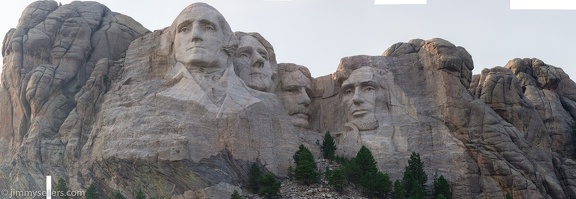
pixel 348 91
pixel 291 90
pixel 184 29
pixel 369 88
pixel 209 27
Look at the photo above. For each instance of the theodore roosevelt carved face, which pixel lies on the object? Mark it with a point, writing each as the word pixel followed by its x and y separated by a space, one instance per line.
pixel 294 88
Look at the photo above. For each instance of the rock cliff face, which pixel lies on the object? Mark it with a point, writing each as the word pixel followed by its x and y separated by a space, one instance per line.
pixel 48 58
pixel 91 96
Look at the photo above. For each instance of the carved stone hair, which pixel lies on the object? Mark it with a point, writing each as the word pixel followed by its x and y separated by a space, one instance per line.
pixel 290 67
pixel 284 68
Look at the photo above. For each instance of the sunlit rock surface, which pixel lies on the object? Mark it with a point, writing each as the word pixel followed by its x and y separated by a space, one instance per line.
pixel 93 97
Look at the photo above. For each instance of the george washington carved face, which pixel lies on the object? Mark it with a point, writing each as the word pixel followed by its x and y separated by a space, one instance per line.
pixel 201 35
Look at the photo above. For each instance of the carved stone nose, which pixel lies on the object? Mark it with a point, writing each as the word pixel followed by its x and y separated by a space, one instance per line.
pixel 357 99
pixel 258 64
pixel 258 60
pixel 304 99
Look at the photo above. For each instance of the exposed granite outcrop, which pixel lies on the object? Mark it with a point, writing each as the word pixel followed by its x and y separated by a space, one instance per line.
pixel 91 96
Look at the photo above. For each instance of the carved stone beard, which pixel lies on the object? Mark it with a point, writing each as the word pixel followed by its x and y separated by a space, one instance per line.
pixel 366 125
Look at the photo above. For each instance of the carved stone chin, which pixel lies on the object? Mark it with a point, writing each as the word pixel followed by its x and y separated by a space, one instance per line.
pixel 365 125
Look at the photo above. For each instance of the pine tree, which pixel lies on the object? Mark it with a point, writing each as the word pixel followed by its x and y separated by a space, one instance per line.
pixel 418 191
pixel 352 171
pixel 269 186
pixel 399 190
pixel 376 184
pixel 328 146
pixel 336 179
pixel 414 176
pixel 235 195
pixel 366 161
pixel 91 192
pixel 306 170
pixel 61 188
pixel 384 184
pixel 302 152
pixel 140 194
pixel 255 174
pixel 118 195
pixel 442 187
pixel 369 184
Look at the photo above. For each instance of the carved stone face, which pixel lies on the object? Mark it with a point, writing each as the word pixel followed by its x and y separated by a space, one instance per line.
pixel 253 64
pixel 359 98
pixel 294 95
pixel 199 39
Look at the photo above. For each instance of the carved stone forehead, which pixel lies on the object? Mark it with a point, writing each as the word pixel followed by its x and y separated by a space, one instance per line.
pixel 196 10
pixel 197 13
pixel 363 74
pixel 295 78
pixel 248 40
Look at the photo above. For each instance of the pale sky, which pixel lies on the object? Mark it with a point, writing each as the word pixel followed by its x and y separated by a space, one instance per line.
pixel 317 33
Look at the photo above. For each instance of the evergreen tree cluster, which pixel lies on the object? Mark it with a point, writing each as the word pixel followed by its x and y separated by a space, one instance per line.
pixel 91 193
pixel 265 185
pixel 362 170
pixel 235 195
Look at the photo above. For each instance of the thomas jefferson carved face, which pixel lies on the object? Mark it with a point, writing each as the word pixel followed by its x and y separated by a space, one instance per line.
pixel 294 90
pixel 200 39
pixel 253 65
pixel 359 98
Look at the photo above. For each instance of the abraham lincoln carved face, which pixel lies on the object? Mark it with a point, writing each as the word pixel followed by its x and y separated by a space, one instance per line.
pixel 359 92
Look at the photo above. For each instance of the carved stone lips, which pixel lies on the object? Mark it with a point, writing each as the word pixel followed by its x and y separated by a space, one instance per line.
pixel 195 47
pixel 360 112
pixel 301 115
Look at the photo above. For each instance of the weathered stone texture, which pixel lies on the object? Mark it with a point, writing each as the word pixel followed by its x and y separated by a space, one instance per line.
pixel 92 96
pixel 49 57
